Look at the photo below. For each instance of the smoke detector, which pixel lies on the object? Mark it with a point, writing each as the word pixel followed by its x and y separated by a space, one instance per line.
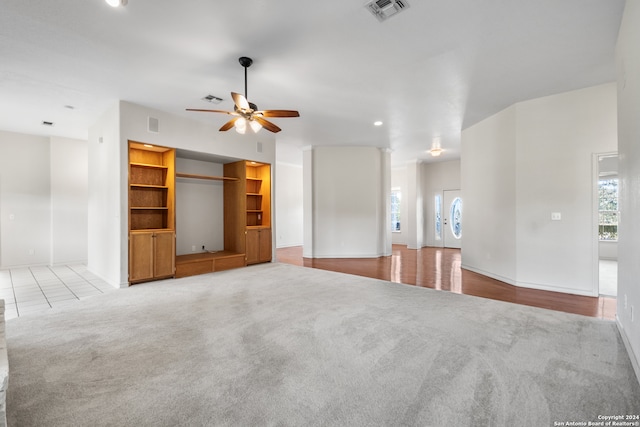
pixel 385 9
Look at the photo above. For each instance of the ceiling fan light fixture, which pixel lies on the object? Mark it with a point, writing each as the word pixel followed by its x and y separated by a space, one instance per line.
pixel 255 126
pixel 241 125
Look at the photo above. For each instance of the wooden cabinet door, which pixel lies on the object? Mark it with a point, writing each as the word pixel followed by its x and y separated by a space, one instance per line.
pixel 258 248
pixel 164 253
pixel 253 246
pixel 265 245
pixel 141 254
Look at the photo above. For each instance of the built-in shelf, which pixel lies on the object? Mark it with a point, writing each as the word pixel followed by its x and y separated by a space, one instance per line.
pixel 149 208
pixel 148 165
pixel 151 212
pixel 213 178
pixel 160 187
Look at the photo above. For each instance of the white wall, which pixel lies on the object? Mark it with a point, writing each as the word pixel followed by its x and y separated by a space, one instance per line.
pixel 557 137
pixel 105 239
pixel 69 175
pixel 43 200
pixel 414 230
pixel 25 200
pixel 199 207
pixel 108 206
pixel 349 213
pixel 289 205
pixel 437 177
pixel 489 194
pixel 539 155
pixel 628 65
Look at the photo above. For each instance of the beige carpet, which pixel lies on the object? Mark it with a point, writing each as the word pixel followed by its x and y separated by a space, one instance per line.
pixel 276 344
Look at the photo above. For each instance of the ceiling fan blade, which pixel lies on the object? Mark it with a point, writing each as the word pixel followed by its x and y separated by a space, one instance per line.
pixel 267 124
pixel 278 113
pixel 229 124
pixel 240 101
pixel 211 111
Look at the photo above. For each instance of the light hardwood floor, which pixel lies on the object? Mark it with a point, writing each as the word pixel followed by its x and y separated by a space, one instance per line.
pixel 440 268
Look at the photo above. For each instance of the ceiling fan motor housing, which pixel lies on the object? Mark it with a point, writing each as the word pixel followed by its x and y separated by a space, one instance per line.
pixel 245 61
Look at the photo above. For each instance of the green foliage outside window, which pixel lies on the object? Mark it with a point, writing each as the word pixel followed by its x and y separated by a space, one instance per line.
pixel 608 209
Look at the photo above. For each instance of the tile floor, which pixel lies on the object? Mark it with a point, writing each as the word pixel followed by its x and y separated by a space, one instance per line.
pixel 608 277
pixel 29 290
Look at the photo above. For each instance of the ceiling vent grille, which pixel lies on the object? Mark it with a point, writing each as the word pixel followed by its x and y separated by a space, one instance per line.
pixel 212 99
pixel 385 9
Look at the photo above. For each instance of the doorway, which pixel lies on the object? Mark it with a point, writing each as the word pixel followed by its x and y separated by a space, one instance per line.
pixel 452 219
pixel 607 214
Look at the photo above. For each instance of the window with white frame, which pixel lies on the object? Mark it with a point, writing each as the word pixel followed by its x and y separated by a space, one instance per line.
pixel 395 209
pixel 608 209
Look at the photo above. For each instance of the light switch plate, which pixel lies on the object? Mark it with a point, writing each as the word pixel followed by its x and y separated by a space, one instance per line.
pixel 556 216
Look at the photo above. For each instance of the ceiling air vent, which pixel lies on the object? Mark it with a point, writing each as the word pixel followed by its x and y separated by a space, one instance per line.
pixel 385 9
pixel 212 99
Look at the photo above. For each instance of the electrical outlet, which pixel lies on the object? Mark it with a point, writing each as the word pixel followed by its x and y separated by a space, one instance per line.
pixel 32 251
pixel 193 248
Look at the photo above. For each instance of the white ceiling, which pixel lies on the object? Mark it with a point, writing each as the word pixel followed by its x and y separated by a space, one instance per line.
pixel 427 72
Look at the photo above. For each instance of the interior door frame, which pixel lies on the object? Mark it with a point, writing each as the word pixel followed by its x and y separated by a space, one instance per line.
pixel 595 250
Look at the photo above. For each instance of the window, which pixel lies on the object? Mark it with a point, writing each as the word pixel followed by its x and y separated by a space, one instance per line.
pixel 438 217
pixel 608 209
pixel 395 210
pixel 455 217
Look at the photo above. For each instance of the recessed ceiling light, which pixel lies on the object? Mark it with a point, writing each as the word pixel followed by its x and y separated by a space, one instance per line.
pixel 148 145
pixel 116 3
pixel 377 123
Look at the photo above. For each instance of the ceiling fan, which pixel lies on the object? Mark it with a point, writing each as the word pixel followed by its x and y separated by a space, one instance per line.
pixel 246 113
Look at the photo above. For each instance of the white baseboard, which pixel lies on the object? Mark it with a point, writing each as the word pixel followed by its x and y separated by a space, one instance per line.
pixel 557 289
pixel 528 285
pixel 627 344
pixel 488 274
pixel 100 276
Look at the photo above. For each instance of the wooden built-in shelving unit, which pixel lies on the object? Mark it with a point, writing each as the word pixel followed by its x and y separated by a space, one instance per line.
pixel 247 210
pixel 247 216
pixel 151 212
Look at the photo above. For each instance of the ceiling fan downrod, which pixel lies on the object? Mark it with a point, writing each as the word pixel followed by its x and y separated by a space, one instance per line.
pixel 246 63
